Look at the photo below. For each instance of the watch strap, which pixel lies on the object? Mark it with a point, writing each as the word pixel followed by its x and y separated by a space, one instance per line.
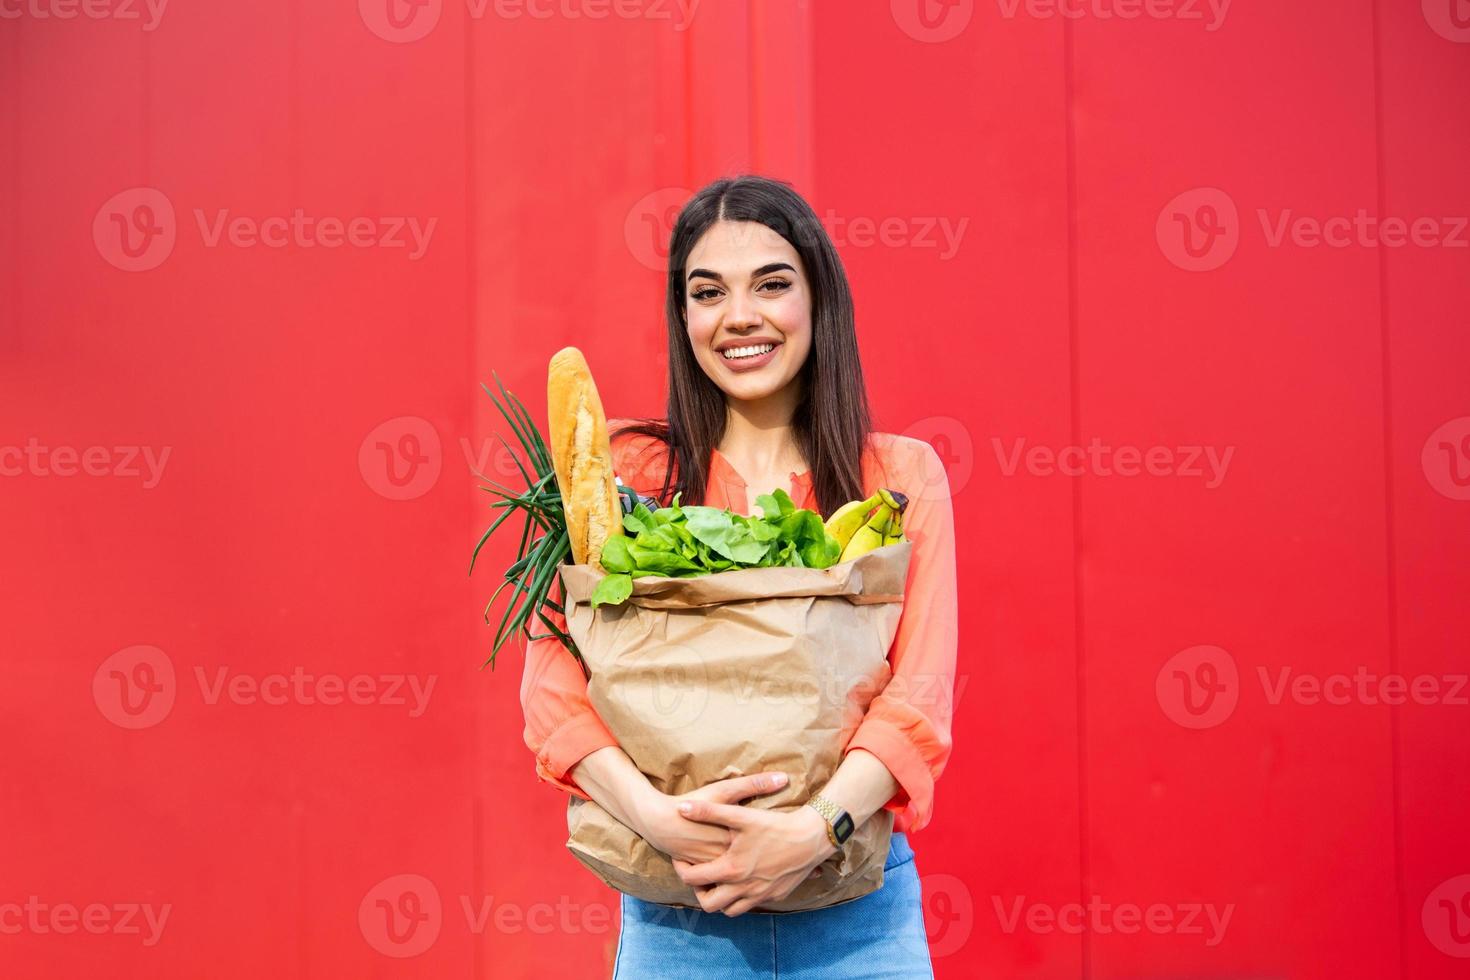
pixel 839 822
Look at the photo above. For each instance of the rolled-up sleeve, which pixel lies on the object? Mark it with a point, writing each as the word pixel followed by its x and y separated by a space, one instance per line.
pixel 562 727
pixel 907 726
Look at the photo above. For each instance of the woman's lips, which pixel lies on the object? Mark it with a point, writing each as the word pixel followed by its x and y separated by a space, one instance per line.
pixel 740 365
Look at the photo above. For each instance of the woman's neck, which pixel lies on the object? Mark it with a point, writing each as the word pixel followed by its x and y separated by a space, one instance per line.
pixel 759 436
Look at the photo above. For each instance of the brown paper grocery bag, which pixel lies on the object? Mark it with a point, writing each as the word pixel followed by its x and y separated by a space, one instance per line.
pixel 729 674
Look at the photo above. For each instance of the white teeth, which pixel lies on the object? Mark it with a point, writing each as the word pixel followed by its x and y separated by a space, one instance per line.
pixel 756 351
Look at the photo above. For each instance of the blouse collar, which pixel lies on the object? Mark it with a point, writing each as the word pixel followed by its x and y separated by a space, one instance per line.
pixel 721 469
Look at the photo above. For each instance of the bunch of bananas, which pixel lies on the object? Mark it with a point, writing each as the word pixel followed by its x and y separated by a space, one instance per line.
pixel 865 525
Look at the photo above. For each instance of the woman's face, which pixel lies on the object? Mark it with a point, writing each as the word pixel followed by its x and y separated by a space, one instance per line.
pixel 748 309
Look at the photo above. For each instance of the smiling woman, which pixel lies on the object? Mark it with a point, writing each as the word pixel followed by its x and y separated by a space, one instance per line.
pixel 763 356
pixel 766 392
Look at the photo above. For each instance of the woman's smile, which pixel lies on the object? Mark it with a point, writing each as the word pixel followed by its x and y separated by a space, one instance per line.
pixel 750 357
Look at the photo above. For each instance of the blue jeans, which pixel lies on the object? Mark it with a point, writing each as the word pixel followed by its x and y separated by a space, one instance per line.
pixel 880 935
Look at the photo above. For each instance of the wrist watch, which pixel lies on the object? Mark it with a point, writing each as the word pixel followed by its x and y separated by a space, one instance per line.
pixel 839 821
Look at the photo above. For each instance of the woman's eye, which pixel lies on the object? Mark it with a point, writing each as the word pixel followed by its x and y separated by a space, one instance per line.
pixel 709 292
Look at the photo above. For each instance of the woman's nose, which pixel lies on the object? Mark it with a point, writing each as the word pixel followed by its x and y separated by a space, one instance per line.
pixel 742 310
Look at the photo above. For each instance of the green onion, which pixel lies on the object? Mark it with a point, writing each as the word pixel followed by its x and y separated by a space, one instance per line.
pixel 544 544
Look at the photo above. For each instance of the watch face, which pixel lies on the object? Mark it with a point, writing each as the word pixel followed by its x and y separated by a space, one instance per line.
pixel 843 827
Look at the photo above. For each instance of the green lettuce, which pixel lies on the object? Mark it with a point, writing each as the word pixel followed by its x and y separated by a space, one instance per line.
pixel 680 542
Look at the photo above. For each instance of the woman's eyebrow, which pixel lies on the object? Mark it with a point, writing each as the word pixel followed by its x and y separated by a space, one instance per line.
pixel 763 270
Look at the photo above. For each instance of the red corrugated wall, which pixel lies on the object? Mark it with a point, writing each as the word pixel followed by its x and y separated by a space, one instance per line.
pixel 258 257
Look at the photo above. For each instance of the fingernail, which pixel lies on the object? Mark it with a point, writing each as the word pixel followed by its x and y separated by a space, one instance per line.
pixel 779 779
pixel 685 807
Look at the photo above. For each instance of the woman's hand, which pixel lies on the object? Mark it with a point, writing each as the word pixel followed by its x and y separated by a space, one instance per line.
pixel 769 854
pixel 661 824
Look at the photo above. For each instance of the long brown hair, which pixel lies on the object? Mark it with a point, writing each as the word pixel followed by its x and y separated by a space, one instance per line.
pixel 832 421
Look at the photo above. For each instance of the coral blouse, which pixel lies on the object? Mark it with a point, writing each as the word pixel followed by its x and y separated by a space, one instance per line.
pixel 907 725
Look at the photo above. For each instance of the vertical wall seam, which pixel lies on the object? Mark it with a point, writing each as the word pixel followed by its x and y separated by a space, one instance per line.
pixel 1390 543
pixel 472 342
pixel 688 93
pixel 14 302
pixel 807 166
pixel 754 151
pixel 293 130
pixel 145 111
pixel 1084 884
pixel 293 101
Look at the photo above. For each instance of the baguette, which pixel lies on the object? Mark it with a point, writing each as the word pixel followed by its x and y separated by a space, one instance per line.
pixel 582 456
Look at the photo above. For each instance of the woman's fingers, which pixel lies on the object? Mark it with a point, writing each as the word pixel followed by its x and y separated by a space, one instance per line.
pixel 716 872
pixel 742 787
pixel 718 898
pixel 705 811
pixel 741 907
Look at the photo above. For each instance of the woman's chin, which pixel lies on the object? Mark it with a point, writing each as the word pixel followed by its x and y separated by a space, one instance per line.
pixel 748 392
